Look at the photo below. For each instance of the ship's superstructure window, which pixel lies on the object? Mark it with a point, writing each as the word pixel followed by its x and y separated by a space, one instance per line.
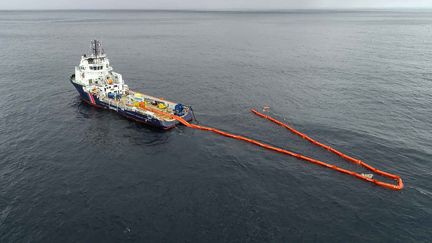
pixel 96 67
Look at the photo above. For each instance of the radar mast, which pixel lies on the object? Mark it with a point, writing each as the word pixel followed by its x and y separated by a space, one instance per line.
pixel 96 48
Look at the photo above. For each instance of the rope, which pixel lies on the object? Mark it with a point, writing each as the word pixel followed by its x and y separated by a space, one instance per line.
pixel 193 114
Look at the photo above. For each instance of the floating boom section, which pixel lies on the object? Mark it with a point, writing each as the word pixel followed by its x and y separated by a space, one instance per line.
pixel 397 178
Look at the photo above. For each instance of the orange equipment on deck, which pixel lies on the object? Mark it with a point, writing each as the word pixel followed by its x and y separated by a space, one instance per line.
pixel 364 177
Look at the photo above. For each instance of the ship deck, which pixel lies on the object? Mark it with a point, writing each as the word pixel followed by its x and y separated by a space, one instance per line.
pixel 149 105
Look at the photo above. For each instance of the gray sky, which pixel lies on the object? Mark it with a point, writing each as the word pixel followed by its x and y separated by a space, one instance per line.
pixel 210 4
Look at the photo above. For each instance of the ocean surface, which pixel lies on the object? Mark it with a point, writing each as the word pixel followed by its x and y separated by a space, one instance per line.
pixel 360 81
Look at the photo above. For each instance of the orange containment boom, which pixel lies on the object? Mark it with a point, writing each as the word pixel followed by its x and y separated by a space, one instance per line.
pixel 397 178
pixel 364 177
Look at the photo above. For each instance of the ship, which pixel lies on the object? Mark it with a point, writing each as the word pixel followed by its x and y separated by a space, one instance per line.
pixel 101 87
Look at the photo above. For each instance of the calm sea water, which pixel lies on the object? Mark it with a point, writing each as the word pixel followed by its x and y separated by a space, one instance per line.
pixel 359 81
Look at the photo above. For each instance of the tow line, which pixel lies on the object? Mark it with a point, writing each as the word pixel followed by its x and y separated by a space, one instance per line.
pixel 364 177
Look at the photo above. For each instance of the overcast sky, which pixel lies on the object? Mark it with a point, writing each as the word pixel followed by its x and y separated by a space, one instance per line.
pixel 210 4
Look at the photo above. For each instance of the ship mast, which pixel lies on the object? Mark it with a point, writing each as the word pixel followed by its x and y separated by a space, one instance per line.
pixel 96 48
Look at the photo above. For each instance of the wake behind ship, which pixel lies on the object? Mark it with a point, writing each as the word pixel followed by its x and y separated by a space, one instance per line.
pixel 101 87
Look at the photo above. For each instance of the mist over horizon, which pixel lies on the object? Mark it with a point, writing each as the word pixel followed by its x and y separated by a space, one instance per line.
pixel 212 5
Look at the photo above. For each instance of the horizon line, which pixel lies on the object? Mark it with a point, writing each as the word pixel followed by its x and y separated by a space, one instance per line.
pixel 225 10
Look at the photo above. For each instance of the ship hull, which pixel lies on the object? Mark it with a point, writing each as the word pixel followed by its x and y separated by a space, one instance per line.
pixel 138 117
